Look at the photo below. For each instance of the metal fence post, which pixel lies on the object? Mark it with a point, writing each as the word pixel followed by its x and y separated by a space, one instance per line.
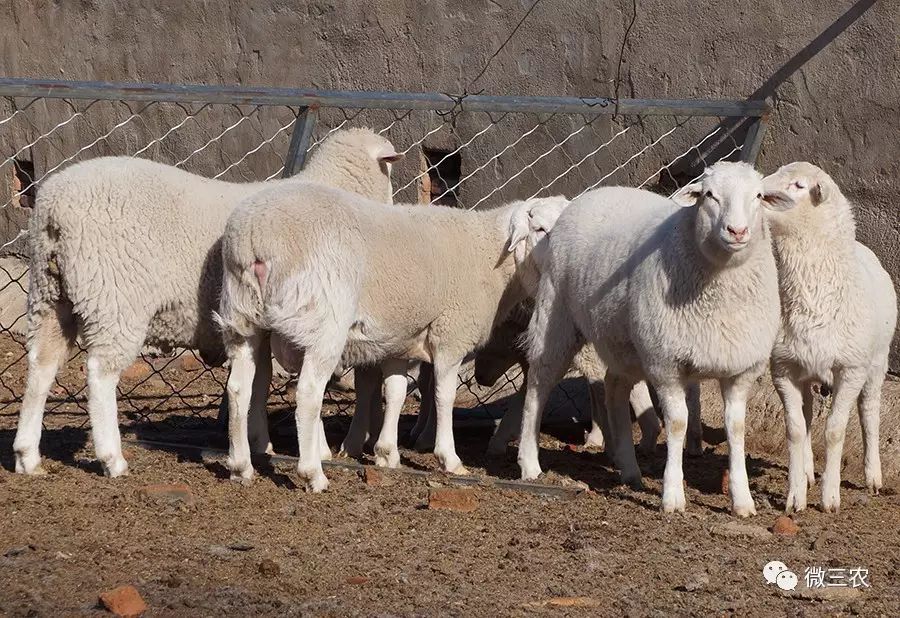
pixel 300 138
pixel 755 134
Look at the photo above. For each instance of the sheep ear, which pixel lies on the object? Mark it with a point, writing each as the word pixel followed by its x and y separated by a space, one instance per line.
pixel 688 195
pixel 518 228
pixel 389 155
pixel 778 201
pixel 819 193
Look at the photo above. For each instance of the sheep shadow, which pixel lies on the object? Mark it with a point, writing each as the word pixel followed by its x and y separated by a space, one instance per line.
pixel 58 444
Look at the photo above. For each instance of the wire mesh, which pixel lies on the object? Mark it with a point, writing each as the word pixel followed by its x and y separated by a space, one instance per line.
pixel 468 159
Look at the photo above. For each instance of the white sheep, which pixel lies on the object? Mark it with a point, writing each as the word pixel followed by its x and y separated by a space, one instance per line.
pixel 352 282
pixel 126 252
pixel 503 351
pixel 839 312
pixel 666 294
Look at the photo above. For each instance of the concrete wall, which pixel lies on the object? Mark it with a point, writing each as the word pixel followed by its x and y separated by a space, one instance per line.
pixel 841 109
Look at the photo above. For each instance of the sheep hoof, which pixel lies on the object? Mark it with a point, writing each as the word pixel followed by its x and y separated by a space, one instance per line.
pixel 673 503
pixel 831 503
pixel 460 470
pixel 873 484
pixel 795 503
pixel 29 465
pixel 314 480
pixel 353 451
pixel 744 510
pixel 240 472
pixel 594 440
pixel 529 471
pixel 634 482
pixel 387 457
pixel 115 467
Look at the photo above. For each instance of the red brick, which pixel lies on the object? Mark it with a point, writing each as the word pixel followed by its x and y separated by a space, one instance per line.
pixel 189 362
pixel 447 499
pixel 165 493
pixel 139 370
pixel 785 526
pixel 123 601
pixel 372 477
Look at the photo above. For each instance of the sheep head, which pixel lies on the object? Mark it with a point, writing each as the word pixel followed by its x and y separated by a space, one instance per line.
pixel 529 225
pixel 356 160
pixel 729 200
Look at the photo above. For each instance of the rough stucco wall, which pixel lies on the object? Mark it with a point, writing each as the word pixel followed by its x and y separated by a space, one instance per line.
pixel 842 109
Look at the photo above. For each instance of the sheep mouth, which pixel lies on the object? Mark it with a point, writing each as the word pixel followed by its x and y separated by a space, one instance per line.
pixel 734 246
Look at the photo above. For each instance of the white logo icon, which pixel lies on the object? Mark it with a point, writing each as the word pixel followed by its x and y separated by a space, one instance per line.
pixel 786 580
pixel 776 572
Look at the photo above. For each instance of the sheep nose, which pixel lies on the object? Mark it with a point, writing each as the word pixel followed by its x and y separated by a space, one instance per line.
pixel 738 233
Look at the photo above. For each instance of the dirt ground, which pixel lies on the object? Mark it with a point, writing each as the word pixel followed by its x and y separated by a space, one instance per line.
pixel 374 548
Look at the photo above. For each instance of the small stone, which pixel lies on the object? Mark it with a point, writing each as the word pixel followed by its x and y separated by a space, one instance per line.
pixel 820 542
pixel 434 484
pixel 565 602
pixel 189 362
pixel 785 526
pixel 372 477
pixel 860 499
pixel 139 370
pixel 268 567
pixel 734 529
pixel 448 499
pixel 696 582
pixel 123 601
pixel 572 544
pixel 240 546
pixel 163 493
pixel 173 581
pixel 357 580
pixel 15 551
pixel 219 550
pixel 723 487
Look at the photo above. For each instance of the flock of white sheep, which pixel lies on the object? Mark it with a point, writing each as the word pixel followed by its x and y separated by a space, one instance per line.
pixel 733 275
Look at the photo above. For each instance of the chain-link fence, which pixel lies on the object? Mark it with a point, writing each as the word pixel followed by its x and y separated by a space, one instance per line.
pixel 470 152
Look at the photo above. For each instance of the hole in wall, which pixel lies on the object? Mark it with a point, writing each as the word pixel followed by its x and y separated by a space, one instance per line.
pixel 439 185
pixel 24 189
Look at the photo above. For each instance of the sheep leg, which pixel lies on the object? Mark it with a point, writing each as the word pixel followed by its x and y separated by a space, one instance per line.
pixel 446 376
pixel 645 413
pixel 258 422
pixel 510 424
pixel 311 383
pixel 599 435
pixel 694 444
pixel 792 393
pixel 869 417
pixel 376 412
pixel 735 391
pixel 367 382
pixel 102 378
pixel 672 395
pixel 51 335
pixel 553 342
pixel 387 452
pixel 244 353
pixel 423 433
pixel 618 388
pixel 848 385
pixel 808 460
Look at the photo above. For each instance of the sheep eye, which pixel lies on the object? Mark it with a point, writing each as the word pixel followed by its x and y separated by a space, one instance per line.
pixel 709 194
pixel 759 196
pixel 799 185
